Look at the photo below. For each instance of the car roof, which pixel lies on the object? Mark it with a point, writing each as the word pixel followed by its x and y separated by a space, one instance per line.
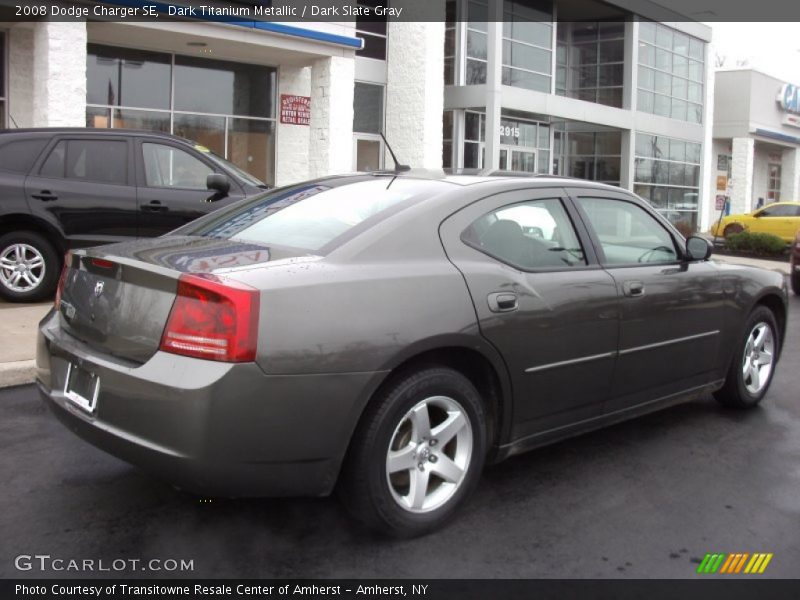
pixel 95 131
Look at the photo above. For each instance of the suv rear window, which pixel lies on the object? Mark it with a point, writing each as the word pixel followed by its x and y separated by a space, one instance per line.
pixel 18 155
pixel 312 216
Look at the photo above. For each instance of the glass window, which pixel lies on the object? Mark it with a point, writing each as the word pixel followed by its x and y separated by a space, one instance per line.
pixel 312 216
pixel 141 119
pixel 238 88
pixel 677 78
pixel 167 166
pixel 782 210
pixel 529 235
pixel 367 108
pixel 126 77
pixel 251 147
pixel 18 156
pixel 103 161
pixel 627 233
pixel 372 29
pixel 206 131
pixel 2 79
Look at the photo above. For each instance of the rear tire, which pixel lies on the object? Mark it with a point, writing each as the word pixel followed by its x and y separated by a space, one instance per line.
pixel 417 453
pixel 29 267
pixel 753 363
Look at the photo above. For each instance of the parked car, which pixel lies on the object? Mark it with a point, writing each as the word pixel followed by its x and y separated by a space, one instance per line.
pixel 389 333
pixel 778 218
pixel 795 264
pixel 72 188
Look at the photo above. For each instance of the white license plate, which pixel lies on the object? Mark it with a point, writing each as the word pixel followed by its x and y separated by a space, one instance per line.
pixel 81 387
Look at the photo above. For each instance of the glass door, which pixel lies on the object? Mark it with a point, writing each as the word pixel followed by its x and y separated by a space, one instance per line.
pixel 516 159
pixel 367 152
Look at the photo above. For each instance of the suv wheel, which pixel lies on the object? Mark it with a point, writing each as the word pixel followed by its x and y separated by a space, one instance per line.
pixel 28 267
pixel 753 363
pixel 418 453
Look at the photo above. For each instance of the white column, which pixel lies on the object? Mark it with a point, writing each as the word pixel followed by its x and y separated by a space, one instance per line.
pixel 790 174
pixel 20 76
pixel 494 82
pixel 742 174
pixel 291 149
pixel 415 93
pixel 708 159
pixel 330 148
pixel 59 74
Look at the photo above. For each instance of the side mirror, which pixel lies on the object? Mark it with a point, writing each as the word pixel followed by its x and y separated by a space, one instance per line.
pixel 219 183
pixel 698 248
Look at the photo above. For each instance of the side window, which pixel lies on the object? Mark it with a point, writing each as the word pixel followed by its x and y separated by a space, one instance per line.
pixel 18 156
pixel 104 161
pixel 54 165
pixel 627 233
pixel 778 211
pixel 529 235
pixel 167 166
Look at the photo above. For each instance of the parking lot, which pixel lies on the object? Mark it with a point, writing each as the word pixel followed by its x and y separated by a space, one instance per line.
pixel 644 499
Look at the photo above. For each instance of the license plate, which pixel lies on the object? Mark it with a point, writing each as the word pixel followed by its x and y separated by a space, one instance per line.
pixel 81 387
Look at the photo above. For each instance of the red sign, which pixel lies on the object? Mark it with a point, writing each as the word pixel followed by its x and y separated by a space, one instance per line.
pixel 295 110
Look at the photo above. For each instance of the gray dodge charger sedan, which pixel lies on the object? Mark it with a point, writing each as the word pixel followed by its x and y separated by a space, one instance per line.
pixel 387 335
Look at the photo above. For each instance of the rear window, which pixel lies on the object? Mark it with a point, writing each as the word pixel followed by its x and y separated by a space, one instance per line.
pixel 18 156
pixel 312 216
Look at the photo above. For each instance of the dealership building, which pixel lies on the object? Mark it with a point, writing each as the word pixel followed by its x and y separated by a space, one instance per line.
pixel 756 147
pixel 527 86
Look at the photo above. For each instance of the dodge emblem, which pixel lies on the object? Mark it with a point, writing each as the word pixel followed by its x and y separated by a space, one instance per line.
pixel 98 289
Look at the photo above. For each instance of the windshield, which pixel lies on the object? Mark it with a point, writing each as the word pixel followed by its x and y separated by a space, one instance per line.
pixel 312 215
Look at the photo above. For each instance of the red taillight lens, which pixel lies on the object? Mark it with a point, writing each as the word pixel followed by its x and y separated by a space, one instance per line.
pixel 213 319
pixel 102 263
pixel 63 278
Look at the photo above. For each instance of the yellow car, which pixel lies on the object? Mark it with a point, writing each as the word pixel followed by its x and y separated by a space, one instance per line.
pixel 779 218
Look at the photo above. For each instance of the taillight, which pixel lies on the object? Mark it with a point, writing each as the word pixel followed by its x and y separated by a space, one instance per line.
pixel 214 319
pixel 63 278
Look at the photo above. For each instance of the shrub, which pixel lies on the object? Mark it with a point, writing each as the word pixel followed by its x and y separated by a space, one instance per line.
pixel 686 228
pixel 757 244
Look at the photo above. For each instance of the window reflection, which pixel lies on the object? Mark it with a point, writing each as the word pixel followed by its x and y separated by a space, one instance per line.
pixel 125 77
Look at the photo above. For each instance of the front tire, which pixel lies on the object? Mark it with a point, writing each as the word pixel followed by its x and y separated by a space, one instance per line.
pixel 753 364
pixel 732 229
pixel 417 454
pixel 29 267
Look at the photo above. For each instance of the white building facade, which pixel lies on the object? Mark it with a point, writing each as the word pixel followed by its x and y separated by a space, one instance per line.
pixel 620 99
pixel 756 147
pixel 517 85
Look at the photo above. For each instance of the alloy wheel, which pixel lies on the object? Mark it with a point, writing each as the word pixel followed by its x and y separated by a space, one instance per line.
pixel 22 267
pixel 429 454
pixel 759 354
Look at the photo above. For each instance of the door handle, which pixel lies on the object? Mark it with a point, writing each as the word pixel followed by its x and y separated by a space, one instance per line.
pixel 45 196
pixel 633 289
pixel 502 301
pixel 155 206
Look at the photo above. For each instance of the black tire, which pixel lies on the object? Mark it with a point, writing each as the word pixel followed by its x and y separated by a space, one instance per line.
pixel 737 393
pixel 46 285
pixel 371 494
pixel 795 279
pixel 732 229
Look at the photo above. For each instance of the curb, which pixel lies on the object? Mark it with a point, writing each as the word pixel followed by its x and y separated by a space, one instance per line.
pixel 19 372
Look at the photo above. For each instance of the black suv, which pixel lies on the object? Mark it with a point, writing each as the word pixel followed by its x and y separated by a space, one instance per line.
pixel 68 188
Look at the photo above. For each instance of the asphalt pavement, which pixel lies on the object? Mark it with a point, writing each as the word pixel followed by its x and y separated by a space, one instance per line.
pixel 643 499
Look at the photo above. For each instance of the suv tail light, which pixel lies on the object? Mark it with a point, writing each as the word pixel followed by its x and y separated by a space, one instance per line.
pixel 63 278
pixel 213 319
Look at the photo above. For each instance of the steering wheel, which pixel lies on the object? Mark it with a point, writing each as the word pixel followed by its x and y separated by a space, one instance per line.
pixel 664 249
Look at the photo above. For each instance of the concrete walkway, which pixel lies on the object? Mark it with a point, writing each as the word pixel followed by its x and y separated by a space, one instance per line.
pixel 18 323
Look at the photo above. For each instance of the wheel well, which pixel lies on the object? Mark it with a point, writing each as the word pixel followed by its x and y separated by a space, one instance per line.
pixel 10 223
pixel 775 304
pixel 472 365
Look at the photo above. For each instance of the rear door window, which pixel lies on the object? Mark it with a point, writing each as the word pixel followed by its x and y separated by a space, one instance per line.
pixel 102 161
pixel 528 235
pixel 18 156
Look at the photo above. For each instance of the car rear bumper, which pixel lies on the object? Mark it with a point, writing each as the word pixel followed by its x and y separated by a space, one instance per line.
pixel 212 428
